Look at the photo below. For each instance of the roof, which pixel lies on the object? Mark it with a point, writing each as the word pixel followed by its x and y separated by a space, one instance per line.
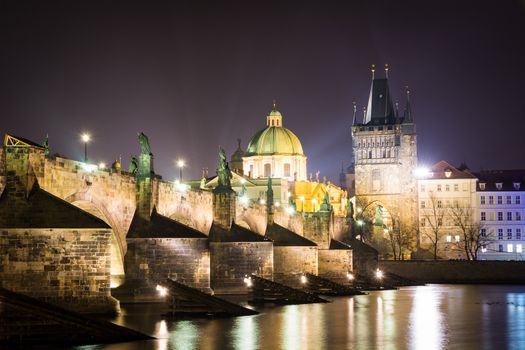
pixel 510 180
pixel 283 237
pixel 43 210
pixel 274 140
pixel 337 245
pixel 443 170
pixel 380 109
pixel 12 140
pixel 160 226
pixel 235 234
pixel 239 153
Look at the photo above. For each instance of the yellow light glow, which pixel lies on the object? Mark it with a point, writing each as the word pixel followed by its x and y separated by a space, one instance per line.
pixel 85 137
pixel 304 279
pixel 163 291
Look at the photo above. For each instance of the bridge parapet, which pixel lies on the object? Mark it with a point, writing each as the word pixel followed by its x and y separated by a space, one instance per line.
pixel 191 207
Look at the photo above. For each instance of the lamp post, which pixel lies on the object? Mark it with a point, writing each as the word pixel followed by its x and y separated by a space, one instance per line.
pixel 180 164
pixel 85 138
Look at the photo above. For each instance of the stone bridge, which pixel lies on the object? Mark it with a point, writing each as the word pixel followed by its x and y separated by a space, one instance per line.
pixel 113 195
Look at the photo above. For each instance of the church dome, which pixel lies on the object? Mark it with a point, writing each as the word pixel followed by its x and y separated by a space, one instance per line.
pixel 274 139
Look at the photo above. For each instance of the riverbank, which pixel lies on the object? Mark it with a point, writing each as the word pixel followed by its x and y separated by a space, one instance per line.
pixel 457 271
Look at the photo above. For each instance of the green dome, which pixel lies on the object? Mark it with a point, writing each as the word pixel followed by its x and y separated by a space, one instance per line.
pixel 274 140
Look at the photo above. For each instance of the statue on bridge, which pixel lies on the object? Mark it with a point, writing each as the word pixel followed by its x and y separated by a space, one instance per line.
pixel 133 165
pixel 144 144
pixel 223 171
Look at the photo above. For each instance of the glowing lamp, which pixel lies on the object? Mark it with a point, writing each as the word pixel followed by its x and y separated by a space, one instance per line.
pixel 303 279
pixel 163 291
pixel 379 274
pixel 350 276
pixel 421 172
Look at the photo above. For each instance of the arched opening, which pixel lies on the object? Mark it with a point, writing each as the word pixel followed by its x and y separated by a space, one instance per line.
pixel 117 258
pixel 267 170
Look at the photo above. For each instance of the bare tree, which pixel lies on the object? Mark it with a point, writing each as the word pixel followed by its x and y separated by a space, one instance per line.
pixel 433 214
pixel 401 237
pixel 473 231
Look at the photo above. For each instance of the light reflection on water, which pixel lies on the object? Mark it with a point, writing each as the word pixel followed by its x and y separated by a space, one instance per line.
pixel 426 328
pixel 423 317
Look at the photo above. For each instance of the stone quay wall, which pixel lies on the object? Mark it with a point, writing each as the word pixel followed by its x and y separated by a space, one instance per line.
pixel 153 260
pixel 452 271
pixel 70 268
pixel 232 261
pixel 334 264
pixel 290 262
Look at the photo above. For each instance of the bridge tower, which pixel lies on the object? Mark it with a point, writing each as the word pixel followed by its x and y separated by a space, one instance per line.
pixel 385 155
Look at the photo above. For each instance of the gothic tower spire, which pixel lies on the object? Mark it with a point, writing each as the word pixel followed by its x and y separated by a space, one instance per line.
pixel 407 115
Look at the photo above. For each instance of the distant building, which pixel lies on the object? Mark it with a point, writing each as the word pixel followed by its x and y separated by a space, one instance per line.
pixel 275 151
pixel 501 201
pixel 443 191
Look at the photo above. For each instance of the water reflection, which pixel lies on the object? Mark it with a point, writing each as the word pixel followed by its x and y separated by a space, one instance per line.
pixel 516 320
pixel 426 329
pixel 245 333
pixel 425 317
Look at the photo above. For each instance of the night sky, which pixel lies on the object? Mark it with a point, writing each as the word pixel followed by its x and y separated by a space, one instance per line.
pixel 194 76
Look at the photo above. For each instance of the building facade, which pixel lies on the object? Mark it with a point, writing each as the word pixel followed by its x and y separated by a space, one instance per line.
pixel 447 202
pixel 501 202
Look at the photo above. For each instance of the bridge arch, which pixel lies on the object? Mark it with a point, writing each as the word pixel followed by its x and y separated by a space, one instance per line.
pixel 92 205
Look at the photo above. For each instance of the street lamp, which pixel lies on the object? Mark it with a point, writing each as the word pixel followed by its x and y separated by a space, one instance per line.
pixel 85 138
pixel 180 164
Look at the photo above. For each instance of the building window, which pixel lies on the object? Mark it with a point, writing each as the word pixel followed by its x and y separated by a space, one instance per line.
pixel 439 188
pixel 286 169
pixel 423 222
pixel 518 216
pixel 509 233
pixel 510 248
pixel 483 248
pixel 491 216
pixel 482 200
pixel 483 216
pixel 267 170
pixel 500 233
pixel 369 154
pixel 516 185
pixel 422 188
pixel 491 199
pixel 499 185
pixel 440 221
pixel 456 238
pixel 500 199
pixel 447 187
pixel 500 248
pixel 500 216
pixel 509 200
pixel 482 186
pixel 509 216
pixel 449 238
pixel 456 187
pixel 439 204
pixel 518 233
pixel 518 248
pixel 483 232
pixel 517 200
pixel 422 204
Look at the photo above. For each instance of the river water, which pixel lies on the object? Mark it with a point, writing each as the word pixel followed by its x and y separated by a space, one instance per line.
pixel 422 317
